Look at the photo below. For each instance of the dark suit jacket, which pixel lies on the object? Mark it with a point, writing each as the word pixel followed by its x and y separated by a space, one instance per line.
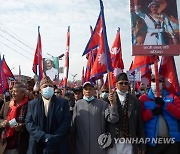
pixel 60 125
pixel 136 126
pixel 1 103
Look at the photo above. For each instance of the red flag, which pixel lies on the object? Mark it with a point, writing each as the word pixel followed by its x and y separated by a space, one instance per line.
pixel 66 66
pixel 130 68
pixel 4 83
pixel 116 59
pixel 98 40
pixel 87 55
pixel 74 84
pixel 6 70
pixel 88 68
pixel 168 71
pixel 11 84
pixel 61 83
pixel 3 77
pixel 94 41
pixel 37 63
pixel 91 58
pixel 145 76
pixel 142 61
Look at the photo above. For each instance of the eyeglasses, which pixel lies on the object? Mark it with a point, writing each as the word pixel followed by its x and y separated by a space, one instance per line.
pixel 123 83
pixel 57 92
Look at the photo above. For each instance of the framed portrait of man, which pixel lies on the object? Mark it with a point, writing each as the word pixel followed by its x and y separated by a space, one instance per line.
pixel 51 68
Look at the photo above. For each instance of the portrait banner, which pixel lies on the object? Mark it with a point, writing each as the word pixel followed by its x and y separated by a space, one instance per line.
pixel 154 27
pixel 51 68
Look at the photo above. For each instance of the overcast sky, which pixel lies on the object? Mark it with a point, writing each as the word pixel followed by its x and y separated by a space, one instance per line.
pixel 19 21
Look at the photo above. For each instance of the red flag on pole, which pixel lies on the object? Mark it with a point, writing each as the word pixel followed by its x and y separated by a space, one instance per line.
pixel 168 71
pixel 6 70
pixel 37 63
pixel 61 83
pixel 142 61
pixel 116 59
pixel 98 40
pixel 66 66
pixel 91 56
pixel 145 76
pixel 3 76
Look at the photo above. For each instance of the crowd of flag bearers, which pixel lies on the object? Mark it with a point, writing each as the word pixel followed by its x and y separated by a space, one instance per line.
pixel 43 117
pixel 40 119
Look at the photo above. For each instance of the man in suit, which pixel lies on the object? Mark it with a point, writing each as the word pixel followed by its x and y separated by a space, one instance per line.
pixel 126 121
pixel 48 122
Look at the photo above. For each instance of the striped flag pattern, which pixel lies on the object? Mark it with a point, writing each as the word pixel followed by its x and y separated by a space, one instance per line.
pixel 66 66
pixel 37 63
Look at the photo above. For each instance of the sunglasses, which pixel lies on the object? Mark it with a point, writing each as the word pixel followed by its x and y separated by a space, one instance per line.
pixel 123 83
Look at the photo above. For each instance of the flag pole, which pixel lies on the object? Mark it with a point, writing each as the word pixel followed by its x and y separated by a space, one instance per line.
pixel 106 46
pixel 109 81
pixel 39 78
pixel 156 77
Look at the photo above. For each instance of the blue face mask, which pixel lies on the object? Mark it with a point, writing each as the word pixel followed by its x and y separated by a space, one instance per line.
pixel 88 99
pixel 47 92
pixel 121 93
pixel 104 95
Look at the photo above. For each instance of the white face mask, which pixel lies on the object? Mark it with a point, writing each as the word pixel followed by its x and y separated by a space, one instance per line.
pixel 121 93
pixel 104 95
pixel 88 99
pixel 153 87
pixel 47 92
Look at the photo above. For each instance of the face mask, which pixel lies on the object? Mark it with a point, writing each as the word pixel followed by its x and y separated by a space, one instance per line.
pixel 121 93
pixel 7 94
pixel 88 99
pixel 104 95
pixel 142 92
pixel 47 92
pixel 153 87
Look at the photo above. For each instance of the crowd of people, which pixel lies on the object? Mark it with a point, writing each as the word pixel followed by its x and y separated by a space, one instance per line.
pixel 41 119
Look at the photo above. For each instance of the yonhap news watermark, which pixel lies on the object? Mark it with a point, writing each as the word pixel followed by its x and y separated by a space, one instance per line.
pixel 158 140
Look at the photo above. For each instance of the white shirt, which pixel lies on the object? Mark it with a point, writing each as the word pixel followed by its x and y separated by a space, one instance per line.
pixel 46 105
pixel 52 73
pixel 122 98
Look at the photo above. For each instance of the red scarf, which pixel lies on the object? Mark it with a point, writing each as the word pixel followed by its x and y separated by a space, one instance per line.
pixel 13 114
